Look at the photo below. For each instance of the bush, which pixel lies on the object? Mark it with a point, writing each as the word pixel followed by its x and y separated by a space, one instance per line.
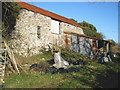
pixel 10 12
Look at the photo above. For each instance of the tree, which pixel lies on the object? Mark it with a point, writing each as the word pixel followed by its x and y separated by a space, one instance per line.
pixel 86 24
pixel 91 30
pixel 92 33
pixel 10 12
pixel 74 20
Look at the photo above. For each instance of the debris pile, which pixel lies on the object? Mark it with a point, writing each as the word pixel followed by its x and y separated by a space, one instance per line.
pixel 62 66
pixel 54 70
pixel 35 66
pixel 106 57
pixel 59 65
pixel 60 62
pixel 38 68
pixel 77 62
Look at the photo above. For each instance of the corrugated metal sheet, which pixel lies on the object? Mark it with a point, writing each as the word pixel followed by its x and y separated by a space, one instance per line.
pixel 82 35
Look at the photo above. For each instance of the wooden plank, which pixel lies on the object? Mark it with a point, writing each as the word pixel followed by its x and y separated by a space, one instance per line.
pixel 12 58
pixel 82 35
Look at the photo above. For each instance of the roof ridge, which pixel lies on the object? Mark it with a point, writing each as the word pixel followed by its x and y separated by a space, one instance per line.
pixel 47 13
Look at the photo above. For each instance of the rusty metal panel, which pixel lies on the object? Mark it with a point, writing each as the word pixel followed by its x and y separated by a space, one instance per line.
pixel 81 35
pixel 47 13
pixel 66 40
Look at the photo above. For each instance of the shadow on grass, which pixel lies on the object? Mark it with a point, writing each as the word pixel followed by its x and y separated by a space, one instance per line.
pixel 108 81
pixel 51 62
pixel 96 79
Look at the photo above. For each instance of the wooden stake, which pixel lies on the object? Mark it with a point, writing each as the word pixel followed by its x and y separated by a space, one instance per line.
pixel 12 58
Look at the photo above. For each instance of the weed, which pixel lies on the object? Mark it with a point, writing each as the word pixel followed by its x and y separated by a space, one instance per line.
pixel 90 75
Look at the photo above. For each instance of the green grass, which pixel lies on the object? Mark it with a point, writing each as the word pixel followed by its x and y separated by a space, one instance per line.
pixel 70 55
pixel 35 59
pixel 33 81
pixel 90 75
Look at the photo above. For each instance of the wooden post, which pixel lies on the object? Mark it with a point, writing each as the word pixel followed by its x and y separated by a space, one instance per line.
pixel 66 41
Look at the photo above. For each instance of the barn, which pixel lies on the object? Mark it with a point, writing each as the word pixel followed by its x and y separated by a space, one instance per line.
pixel 37 29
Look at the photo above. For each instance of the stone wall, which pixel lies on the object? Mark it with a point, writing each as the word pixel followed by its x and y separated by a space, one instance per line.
pixel 70 28
pixel 25 40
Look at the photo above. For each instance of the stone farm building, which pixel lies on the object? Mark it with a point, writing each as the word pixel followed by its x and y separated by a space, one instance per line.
pixel 37 28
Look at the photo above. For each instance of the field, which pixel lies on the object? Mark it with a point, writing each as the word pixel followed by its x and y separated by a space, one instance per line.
pixel 91 75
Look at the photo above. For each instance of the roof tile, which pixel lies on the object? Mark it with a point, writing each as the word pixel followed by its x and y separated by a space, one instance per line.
pixel 47 13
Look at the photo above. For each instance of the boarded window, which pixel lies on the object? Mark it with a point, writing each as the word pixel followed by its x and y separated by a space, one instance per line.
pixel 55 28
pixel 38 31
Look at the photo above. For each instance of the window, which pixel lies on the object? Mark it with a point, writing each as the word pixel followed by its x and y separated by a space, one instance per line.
pixel 55 28
pixel 38 31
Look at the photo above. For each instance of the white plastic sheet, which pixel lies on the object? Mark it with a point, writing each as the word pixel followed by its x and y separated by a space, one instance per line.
pixel 59 61
pixel 55 26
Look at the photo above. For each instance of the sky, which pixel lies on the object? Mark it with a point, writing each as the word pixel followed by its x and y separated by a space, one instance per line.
pixel 103 15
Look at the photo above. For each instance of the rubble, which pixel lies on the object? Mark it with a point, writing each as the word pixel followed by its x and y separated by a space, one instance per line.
pixel 35 66
pixel 59 65
pixel 77 62
pixel 106 57
pixel 54 70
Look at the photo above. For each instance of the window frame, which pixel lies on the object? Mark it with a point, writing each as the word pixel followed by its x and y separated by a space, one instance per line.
pixel 59 32
pixel 38 31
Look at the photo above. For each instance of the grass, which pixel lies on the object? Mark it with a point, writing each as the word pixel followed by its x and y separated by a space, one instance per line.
pixel 91 75
pixel 33 80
